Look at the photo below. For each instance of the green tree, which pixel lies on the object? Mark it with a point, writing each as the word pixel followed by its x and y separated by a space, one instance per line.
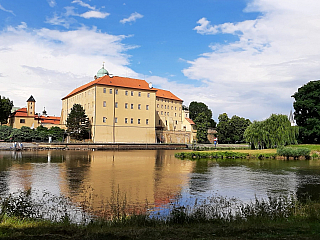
pixel 231 130
pixel 273 132
pixel 195 108
pixel 5 109
pixel 307 112
pixel 78 123
pixel 202 124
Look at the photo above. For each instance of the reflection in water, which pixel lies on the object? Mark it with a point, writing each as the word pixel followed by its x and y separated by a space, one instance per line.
pixel 153 175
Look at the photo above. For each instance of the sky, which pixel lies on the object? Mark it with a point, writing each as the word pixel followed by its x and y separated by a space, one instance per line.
pixel 240 57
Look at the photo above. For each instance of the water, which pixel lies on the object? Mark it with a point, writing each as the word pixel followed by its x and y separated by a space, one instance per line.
pixel 153 176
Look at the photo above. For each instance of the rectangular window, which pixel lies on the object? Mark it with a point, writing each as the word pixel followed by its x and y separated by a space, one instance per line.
pixel 139 94
pixel 22 121
pixel 175 108
pixel 110 91
pixel 159 122
pixel 104 119
pixel 126 93
pixel 104 103
pixel 138 121
pixel 104 90
pixel 148 95
pixel 161 106
pixel 161 112
pixel 171 107
pixel 167 113
pixel 157 105
pixel 126 105
pixel 131 120
pixel 115 120
pixel 116 91
pixel 139 106
pixel 131 93
pixel 147 107
pixel 126 120
pixel 165 106
pixel 176 122
pixel 116 105
pixel 147 121
pixel 175 114
pixel 131 106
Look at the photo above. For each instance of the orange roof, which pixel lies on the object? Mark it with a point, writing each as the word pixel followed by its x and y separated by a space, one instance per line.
pixel 166 94
pixel 22 112
pixel 116 82
pixel 49 119
pixel 190 121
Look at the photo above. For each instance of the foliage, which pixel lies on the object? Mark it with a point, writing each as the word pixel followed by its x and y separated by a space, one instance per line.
pixel 231 130
pixel 295 153
pixel 5 109
pixel 272 132
pixel 213 154
pixel 307 112
pixel 202 124
pixel 26 134
pixel 78 123
pixel 195 108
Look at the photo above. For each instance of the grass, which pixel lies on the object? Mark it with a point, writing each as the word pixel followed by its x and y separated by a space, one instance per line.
pixel 214 218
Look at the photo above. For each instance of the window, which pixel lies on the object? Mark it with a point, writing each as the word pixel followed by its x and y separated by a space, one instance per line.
pixel 157 105
pixel 161 112
pixel 176 122
pixel 147 121
pixel 171 107
pixel 175 108
pixel 167 113
pixel 131 120
pixel 104 103
pixel 126 105
pixel 131 93
pixel 110 91
pixel 115 120
pixel 159 122
pixel 175 114
pixel 116 91
pixel 166 122
pixel 161 106
pixel 126 120
pixel 138 121
pixel 104 90
pixel 179 108
pixel 22 121
pixel 147 107
pixel 165 106
pixel 116 105
pixel 139 94
pixel 126 93
pixel 148 95
pixel 131 106
pixel 139 106
pixel 104 119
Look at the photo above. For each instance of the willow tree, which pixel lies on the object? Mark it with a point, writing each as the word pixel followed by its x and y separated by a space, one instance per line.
pixel 274 131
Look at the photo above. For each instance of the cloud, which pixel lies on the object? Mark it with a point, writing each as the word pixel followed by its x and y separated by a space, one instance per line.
pixel 275 54
pixel 64 60
pixel 94 14
pixel 9 11
pixel 81 3
pixel 52 3
pixel 132 18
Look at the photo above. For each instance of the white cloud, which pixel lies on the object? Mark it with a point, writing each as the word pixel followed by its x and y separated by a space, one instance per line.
pixel 52 3
pixel 81 3
pixel 275 54
pixel 132 18
pixel 63 61
pixel 94 14
pixel 3 9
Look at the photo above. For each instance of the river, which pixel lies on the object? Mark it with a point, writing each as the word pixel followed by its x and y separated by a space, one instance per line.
pixel 153 176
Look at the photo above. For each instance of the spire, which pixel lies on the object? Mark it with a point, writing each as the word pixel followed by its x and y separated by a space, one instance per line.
pixel 31 99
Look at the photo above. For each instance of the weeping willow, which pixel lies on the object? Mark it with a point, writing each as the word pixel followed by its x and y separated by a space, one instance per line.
pixel 274 131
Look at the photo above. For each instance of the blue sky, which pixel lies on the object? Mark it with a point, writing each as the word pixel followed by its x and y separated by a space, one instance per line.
pixel 242 57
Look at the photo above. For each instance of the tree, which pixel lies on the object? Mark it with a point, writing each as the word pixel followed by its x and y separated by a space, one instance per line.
pixel 202 124
pixel 307 112
pixel 273 132
pixel 78 123
pixel 5 109
pixel 195 108
pixel 231 130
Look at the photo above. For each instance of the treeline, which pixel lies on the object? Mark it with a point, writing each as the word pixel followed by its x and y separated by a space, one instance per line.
pixel 26 134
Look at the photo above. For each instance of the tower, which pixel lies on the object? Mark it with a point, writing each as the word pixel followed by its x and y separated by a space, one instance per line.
pixel 31 107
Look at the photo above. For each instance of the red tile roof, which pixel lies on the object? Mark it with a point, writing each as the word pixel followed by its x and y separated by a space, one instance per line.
pixel 190 121
pixel 116 82
pixel 22 112
pixel 166 94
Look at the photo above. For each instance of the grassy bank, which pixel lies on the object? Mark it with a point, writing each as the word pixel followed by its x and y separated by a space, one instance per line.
pixel 215 218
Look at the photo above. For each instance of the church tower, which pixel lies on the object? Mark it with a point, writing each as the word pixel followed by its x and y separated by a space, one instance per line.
pixel 31 108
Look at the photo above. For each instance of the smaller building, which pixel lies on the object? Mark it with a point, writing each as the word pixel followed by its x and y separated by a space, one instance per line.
pixel 29 118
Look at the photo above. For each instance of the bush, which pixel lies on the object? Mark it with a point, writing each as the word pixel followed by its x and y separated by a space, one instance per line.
pixel 295 153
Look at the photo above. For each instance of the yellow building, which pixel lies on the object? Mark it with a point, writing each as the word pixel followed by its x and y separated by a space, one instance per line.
pixel 29 118
pixel 125 109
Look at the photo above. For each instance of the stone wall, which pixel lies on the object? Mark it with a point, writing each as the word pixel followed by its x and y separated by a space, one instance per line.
pixel 173 136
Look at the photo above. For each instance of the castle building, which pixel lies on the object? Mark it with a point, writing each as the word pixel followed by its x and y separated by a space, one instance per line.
pixel 29 118
pixel 127 110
